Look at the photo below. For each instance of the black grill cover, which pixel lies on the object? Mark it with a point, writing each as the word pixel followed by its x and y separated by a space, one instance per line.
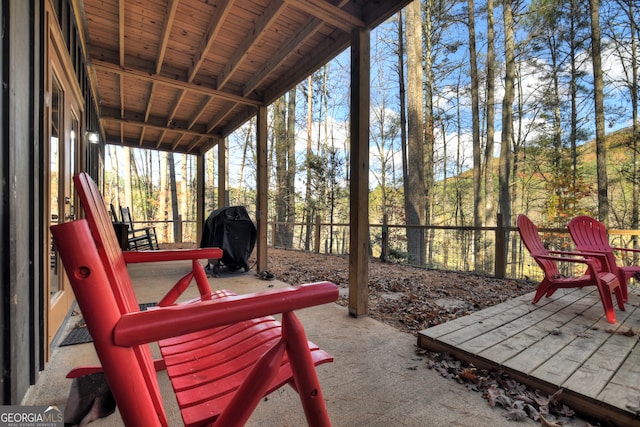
pixel 231 230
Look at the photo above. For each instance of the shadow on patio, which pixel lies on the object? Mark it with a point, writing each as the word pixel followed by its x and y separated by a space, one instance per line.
pixel 375 380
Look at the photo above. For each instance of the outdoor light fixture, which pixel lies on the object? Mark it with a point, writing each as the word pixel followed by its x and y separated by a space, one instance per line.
pixel 93 137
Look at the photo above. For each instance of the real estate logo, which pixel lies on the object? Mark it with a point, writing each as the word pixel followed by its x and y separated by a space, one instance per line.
pixel 31 416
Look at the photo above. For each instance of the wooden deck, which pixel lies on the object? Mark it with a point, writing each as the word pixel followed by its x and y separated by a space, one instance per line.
pixel 561 342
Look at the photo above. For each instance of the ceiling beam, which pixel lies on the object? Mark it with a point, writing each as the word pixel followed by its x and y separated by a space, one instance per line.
pixel 308 29
pixel 224 112
pixel 329 13
pixel 111 116
pixel 285 50
pixel 152 94
pixel 176 106
pixel 166 31
pixel 152 145
pixel 271 13
pixel 199 111
pixel 121 29
pixel 224 7
pixel 145 76
pixel 307 65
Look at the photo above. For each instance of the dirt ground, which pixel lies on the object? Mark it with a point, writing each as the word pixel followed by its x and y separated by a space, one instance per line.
pixel 408 298
pixel 412 299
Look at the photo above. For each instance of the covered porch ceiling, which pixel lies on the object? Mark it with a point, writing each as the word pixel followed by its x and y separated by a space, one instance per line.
pixel 179 75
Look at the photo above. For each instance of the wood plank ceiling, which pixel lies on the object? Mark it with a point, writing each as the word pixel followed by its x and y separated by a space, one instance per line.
pixel 178 75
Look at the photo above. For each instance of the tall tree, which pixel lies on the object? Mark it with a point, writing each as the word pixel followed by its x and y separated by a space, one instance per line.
pixel 475 119
pixel 290 176
pixel 280 143
pixel 575 44
pixel 507 115
pixel 402 96
pixel 173 191
pixel 598 95
pixel 428 134
pixel 246 147
pixel 489 194
pixel 308 210
pixel 414 187
pixel 185 193
pixel 128 172
pixel 162 200
pixel 623 28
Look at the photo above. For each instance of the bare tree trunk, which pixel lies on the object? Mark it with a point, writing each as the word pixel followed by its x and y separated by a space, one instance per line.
pixel 115 197
pixel 307 195
pixel 573 91
pixel 489 195
pixel 635 215
pixel 475 120
pixel 280 138
pixel 128 192
pixel 402 95
pixel 415 185
pixel 291 167
pixel 175 215
pixel 507 117
pixel 162 199
pixel 429 138
pixel 598 94
pixel 185 193
pixel 247 145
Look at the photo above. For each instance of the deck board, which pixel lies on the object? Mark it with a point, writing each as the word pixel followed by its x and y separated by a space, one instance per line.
pixel 562 342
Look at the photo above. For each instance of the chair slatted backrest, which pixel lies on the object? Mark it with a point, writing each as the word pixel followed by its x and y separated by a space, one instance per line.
pixel 590 235
pixel 531 239
pixel 116 270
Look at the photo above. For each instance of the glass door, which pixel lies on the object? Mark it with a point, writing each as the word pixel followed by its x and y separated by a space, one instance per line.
pixel 64 148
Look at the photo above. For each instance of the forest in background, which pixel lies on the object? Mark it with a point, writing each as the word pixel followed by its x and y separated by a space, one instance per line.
pixel 475 110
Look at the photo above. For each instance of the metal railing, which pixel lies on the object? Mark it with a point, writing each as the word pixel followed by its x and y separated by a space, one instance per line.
pixel 500 251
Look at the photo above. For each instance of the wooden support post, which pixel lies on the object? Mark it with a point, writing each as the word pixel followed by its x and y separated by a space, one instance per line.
pixel 359 184
pixel 500 266
pixel 261 186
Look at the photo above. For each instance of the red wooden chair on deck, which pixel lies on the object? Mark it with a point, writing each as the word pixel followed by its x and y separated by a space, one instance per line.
pixel 590 235
pixel 605 281
pixel 222 355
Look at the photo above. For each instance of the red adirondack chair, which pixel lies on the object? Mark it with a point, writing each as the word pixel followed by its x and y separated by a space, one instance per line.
pixel 590 235
pixel 222 355
pixel 604 280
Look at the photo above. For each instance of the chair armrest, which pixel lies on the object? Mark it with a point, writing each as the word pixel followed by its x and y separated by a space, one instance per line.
pixel 165 322
pixel 587 259
pixel 600 256
pixel 576 254
pixel 627 249
pixel 584 260
pixel 171 255
pixel 80 371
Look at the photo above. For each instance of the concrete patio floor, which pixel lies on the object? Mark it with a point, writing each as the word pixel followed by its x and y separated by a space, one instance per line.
pixel 375 380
